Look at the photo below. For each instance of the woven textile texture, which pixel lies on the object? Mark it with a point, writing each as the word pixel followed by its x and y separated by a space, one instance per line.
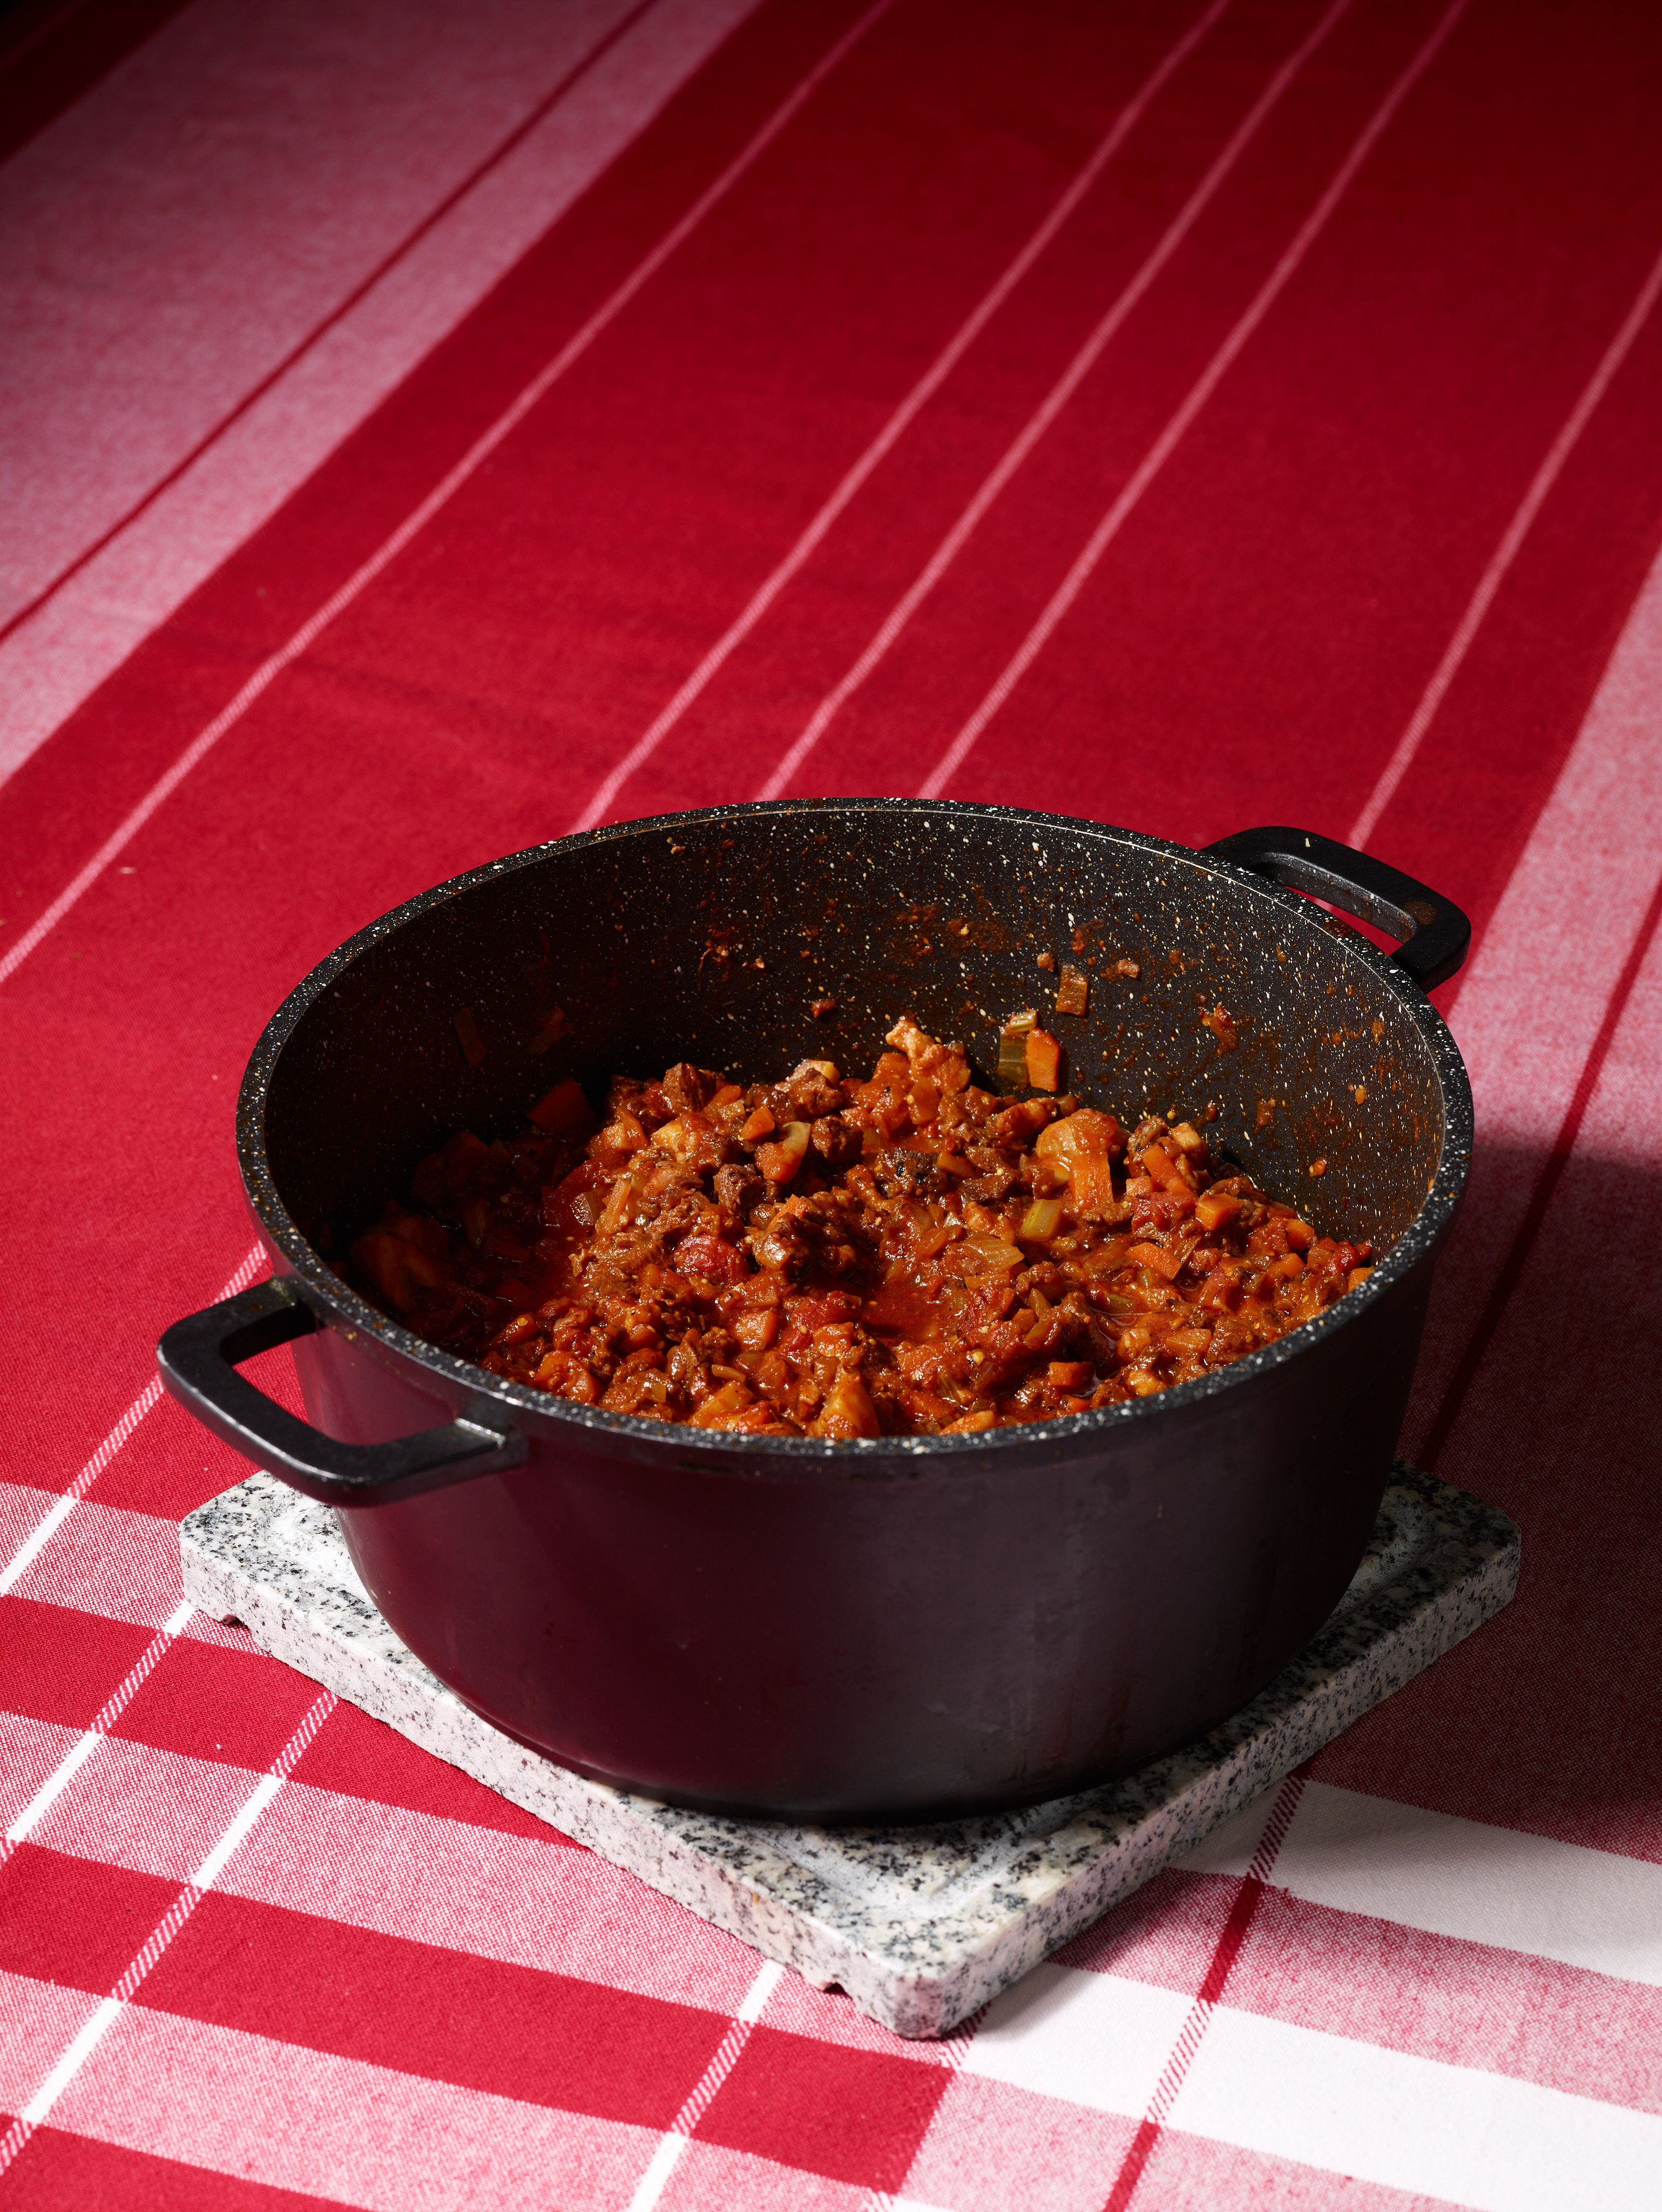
pixel 425 430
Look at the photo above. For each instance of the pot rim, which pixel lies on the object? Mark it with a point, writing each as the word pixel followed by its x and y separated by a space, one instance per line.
pixel 1070 1436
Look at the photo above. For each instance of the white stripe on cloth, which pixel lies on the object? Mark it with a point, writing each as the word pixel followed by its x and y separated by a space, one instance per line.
pixel 107 1559
pixel 1049 408
pixel 441 494
pixel 174 233
pixel 1192 2033
pixel 458 1886
pixel 341 2129
pixel 1096 2040
pixel 146 1403
pixel 895 428
pixel 1481 2140
pixel 1407 2122
pixel 666 2156
pixel 1476 1882
pixel 448 1883
pixel 91 1737
pixel 1172 436
pixel 165 257
pixel 1512 540
pixel 1471 1880
pixel 110 2008
pixel 29 1750
pixel 146 1810
pixel 38 2020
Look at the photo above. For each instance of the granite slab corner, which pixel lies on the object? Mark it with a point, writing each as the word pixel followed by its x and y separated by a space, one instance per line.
pixel 920 1925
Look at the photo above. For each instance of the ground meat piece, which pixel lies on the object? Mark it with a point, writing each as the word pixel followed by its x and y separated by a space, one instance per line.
pixel 987 1263
pixel 805 1094
pixel 837 1142
pixel 688 1087
pixel 647 1101
pixel 900 1173
pixel 738 1187
pixel 781 1243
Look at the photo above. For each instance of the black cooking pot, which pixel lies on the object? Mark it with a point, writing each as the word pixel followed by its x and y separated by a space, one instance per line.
pixel 906 1627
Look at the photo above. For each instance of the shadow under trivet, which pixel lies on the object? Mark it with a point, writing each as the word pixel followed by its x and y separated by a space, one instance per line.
pixel 919 1925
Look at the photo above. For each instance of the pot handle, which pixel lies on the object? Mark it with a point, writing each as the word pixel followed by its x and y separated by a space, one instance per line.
pixel 1436 934
pixel 199 1359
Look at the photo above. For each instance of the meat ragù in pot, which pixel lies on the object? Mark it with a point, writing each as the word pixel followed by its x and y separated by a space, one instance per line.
pixel 907 1255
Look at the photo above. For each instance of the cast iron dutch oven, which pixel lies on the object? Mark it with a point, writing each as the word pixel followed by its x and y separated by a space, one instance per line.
pixel 907 1627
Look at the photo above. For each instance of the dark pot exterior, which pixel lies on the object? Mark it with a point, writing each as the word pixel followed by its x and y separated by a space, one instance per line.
pixel 908 1628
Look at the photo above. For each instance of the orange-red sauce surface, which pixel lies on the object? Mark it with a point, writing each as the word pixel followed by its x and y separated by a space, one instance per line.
pixel 829 1257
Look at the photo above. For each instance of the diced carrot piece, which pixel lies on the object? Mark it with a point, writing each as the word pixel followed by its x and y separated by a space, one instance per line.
pixel 1091 1184
pixel 1044 1060
pixel 1068 1374
pixel 1213 1208
pixel 1156 1259
pixel 925 1099
pixel 758 1125
pixel 1163 1170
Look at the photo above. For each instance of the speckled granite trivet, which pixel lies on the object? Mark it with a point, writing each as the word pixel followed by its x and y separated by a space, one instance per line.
pixel 919 1925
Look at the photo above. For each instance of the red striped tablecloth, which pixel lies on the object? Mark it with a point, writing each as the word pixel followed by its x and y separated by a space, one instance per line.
pixel 427 429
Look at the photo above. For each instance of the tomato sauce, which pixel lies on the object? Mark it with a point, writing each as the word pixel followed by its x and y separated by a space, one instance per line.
pixel 822 1257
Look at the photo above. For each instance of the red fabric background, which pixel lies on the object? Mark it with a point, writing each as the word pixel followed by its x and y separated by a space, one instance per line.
pixel 1251 646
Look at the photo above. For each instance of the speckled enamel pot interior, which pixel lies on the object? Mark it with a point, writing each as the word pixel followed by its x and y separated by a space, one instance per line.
pixel 907 1627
